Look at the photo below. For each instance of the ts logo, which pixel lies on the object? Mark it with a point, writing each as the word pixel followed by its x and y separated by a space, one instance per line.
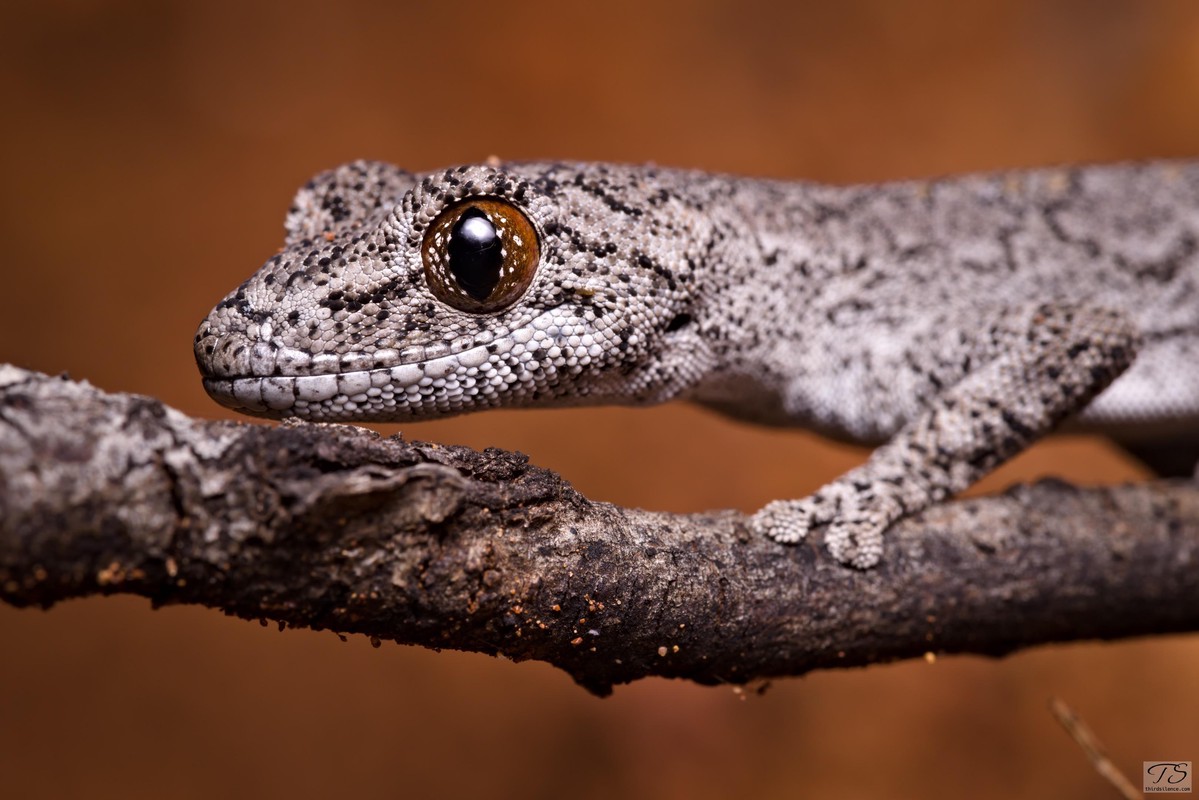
pixel 1167 776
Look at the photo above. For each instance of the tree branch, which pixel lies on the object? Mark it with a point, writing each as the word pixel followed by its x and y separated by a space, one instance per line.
pixel 333 527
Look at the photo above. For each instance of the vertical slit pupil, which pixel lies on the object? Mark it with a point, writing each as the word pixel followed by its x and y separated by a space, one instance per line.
pixel 475 254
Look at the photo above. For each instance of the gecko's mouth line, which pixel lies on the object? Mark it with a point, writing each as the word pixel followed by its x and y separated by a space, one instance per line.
pixel 281 393
pixel 409 384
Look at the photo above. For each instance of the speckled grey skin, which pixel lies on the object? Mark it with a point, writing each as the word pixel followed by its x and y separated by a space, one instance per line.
pixel 955 320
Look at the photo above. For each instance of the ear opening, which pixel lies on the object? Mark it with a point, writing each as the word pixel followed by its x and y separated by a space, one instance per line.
pixel 679 322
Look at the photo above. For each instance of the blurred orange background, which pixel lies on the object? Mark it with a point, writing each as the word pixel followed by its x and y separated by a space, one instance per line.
pixel 150 150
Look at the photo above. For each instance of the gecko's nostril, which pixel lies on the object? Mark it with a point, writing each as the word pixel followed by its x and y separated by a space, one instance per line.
pixel 224 356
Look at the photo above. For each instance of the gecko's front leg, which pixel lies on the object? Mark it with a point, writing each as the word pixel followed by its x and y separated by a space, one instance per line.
pixel 1025 373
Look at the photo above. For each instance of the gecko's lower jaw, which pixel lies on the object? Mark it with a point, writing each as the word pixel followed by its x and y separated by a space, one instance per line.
pixel 436 386
pixel 328 397
pixel 268 380
pixel 484 376
pixel 368 396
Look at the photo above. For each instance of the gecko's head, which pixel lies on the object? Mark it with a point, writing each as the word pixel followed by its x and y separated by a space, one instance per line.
pixel 399 297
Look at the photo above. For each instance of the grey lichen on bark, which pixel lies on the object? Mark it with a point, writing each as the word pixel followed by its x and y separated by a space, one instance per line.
pixel 334 527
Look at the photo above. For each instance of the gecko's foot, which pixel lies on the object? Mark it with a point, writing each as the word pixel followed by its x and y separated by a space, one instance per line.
pixel 857 541
pixel 855 518
pixel 788 521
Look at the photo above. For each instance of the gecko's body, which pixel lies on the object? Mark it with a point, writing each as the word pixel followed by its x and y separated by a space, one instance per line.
pixel 959 319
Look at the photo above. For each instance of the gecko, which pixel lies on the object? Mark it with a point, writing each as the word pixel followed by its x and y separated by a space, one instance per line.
pixel 950 322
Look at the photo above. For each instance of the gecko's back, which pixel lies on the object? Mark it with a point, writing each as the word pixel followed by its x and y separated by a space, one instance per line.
pixel 856 294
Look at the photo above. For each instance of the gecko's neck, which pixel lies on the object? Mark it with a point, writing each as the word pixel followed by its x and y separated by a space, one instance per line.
pixel 765 279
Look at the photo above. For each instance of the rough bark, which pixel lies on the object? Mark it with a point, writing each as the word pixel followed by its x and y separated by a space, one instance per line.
pixel 333 527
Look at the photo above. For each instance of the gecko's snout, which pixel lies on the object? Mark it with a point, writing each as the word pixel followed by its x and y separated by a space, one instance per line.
pixel 222 359
pixel 235 364
pixel 237 355
pixel 253 377
pixel 222 355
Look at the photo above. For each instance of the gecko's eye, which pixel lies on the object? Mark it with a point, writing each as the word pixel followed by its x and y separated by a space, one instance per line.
pixel 480 255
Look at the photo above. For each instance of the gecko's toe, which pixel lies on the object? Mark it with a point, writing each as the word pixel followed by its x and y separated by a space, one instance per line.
pixel 855 537
pixel 856 518
pixel 788 521
pixel 857 544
